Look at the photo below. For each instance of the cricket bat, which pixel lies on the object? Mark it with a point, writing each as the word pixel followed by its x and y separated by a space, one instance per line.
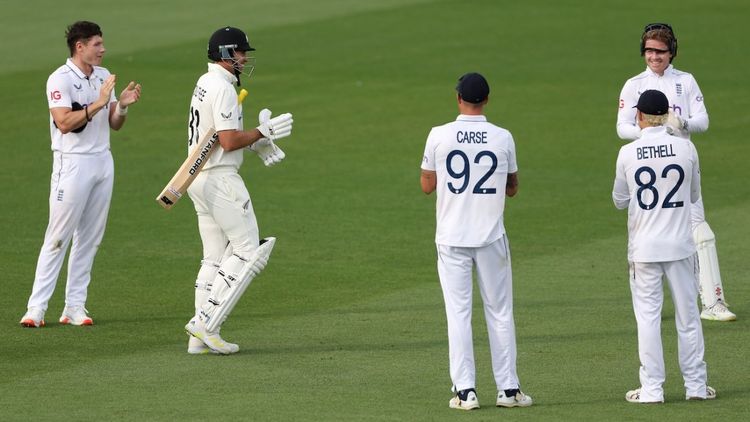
pixel 193 164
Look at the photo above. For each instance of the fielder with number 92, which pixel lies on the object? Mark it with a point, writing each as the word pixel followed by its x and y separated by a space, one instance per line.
pixel 471 163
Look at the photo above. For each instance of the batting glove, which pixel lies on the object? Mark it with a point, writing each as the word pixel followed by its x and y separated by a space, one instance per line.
pixel 677 126
pixel 274 128
pixel 268 152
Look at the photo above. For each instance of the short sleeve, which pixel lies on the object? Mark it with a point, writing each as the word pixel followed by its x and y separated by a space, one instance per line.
pixel 512 164
pixel 428 158
pixel 58 93
pixel 226 111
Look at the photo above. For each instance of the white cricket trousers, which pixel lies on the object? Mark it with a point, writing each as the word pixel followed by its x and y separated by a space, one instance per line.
pixel 495 280
pixel 226 222
pixel 80 194
pixel 648 297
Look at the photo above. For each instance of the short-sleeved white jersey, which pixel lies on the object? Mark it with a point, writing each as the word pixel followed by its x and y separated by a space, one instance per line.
pixel 657 178
pixel 68 85
pixel 214 108
pixel 685 99
pixel 472 159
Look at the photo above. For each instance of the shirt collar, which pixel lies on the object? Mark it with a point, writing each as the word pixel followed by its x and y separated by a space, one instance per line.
pixel 653 131
pixel 76 70
pixel 471 118
pixel 667 71
pixel 229 77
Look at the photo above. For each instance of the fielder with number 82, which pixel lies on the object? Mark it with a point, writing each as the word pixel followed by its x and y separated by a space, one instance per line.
pixel 657 179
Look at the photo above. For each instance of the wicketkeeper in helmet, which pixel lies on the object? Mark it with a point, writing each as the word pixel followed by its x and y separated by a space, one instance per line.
pixel 687 115
pixel 233 253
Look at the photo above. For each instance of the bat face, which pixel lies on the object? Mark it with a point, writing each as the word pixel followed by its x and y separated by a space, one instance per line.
pixel 192 166
pixel 188 171
pixel 205 151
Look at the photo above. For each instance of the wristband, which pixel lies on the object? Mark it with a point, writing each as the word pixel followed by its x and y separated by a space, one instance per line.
pixel 86 109
pixel 121 110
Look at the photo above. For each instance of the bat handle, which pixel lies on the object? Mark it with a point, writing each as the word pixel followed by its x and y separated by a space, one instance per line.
pixel 241 96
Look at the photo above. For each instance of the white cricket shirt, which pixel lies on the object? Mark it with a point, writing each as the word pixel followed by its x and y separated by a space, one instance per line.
pixel 66 85
pixel 472 159
pixel 685 99
pixel 658 178
pixel 214 108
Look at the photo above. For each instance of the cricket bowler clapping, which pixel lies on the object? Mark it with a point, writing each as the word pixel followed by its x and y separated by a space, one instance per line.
pixel 83 108
pixel 233 254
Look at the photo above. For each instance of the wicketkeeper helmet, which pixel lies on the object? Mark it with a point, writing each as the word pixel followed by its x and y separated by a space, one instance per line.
pixel 671 38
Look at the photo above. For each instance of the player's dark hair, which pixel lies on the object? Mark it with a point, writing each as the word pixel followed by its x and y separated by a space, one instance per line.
pixel 81 31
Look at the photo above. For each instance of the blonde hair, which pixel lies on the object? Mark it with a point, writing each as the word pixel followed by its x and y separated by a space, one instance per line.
pixel 654 120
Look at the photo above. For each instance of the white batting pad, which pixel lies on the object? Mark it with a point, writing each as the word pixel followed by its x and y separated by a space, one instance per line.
pixel 711 288
pixel 234 276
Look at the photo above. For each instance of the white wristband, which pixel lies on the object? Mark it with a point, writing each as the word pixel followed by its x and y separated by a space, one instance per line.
pixel 121 110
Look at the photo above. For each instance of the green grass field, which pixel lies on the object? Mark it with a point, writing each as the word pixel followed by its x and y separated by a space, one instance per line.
pixel 347 321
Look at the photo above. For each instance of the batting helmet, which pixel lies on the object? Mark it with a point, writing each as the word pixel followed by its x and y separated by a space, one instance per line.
pixel 671 39
pixel 224 41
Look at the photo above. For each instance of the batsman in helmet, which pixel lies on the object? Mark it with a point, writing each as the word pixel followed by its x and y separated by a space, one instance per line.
pixel 233 253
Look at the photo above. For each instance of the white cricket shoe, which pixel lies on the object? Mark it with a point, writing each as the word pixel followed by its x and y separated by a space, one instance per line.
pixel 710 395
pixel 634 396
pixel 213 340
pixel 513 398
pixel 196 347
pixel 75 315
pixel 465 400
pixel 33 318
pixel 718 312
